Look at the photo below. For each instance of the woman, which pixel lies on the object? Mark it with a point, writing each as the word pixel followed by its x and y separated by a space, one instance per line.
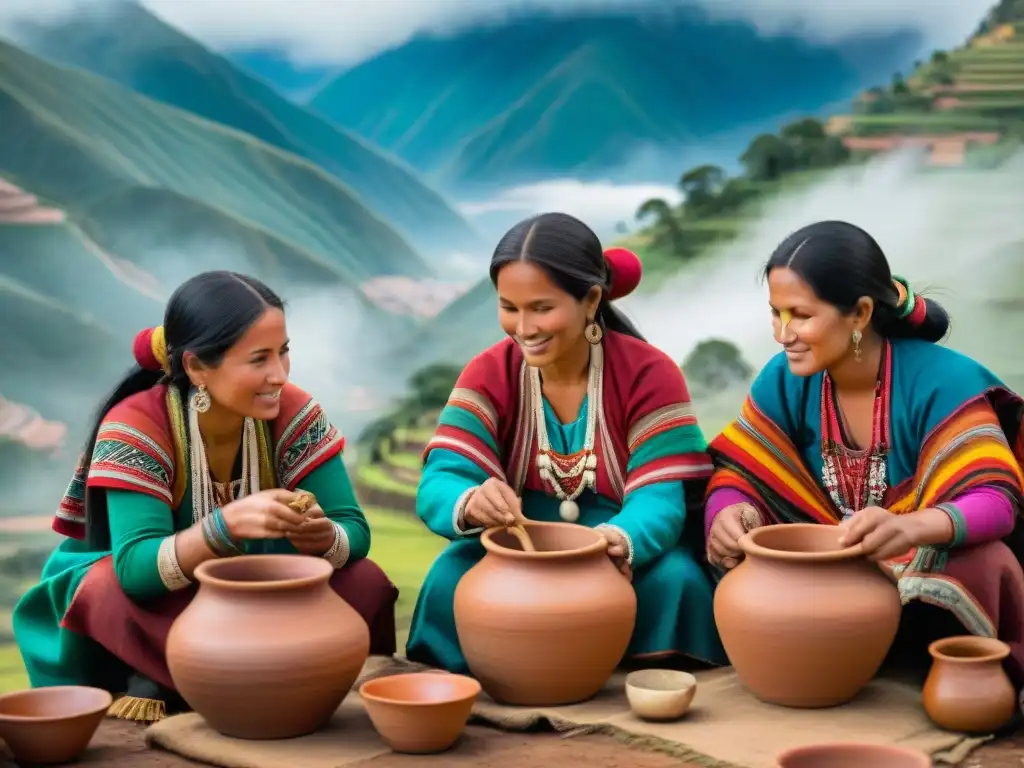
pixel 574 417
pixel 865 422
pixel 195 456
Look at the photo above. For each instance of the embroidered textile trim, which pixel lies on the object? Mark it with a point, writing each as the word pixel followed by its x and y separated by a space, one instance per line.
pixel 923 580
pixel 308 438
pixel 126 455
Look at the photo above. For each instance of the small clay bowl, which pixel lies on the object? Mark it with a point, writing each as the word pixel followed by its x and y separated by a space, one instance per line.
pixel 850 755
pixel 421 712
pixel 660 694
pixel 43 726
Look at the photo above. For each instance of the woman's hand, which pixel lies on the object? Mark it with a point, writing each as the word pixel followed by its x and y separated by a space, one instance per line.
pixel 263 515
pixel 617 550
pixel 494 504
pixel 723 539
pixel 316 534
pixel 881 534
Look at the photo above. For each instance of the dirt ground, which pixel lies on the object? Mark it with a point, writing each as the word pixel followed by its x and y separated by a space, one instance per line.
pixel 121 745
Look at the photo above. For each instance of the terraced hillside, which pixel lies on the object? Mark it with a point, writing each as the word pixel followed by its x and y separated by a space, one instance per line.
pixel 390 470
pixel 963 107
pixel 76 139
pixel 130 46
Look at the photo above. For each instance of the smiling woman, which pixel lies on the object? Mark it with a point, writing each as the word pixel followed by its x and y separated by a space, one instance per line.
pixel 574 417
pixel 865 422
pixel 196 455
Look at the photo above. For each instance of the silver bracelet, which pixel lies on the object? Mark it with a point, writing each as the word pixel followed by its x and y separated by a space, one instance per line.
pixel 340 550
pixel 167 566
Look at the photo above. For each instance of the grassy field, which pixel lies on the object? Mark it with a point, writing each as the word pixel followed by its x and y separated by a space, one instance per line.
pixel 402 546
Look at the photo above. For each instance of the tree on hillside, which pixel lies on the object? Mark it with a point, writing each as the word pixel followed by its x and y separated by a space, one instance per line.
pixel 735 194
pixel 1006 12
pixel 664 224
pixel 805 129
pixel 701 186
pixel 767 158
pixel 432 385
pixel 812 146
pixel 429 389
pixel 715 365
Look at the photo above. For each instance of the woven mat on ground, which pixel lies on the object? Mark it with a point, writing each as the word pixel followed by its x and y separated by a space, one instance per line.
pixel 725 728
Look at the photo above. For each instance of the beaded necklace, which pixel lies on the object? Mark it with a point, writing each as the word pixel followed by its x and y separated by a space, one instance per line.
pixel 568 475
pixel 855 479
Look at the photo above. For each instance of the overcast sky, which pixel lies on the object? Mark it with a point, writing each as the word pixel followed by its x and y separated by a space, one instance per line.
pixel 346 31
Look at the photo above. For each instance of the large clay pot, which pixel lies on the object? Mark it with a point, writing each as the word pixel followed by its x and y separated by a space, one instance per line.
pixel 805 622
pixel 967 689
pixel 548 627
pixel 266 649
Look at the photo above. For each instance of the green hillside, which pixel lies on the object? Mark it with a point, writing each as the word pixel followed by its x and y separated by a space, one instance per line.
pixel 171 236
pixel 58 261
pixel 73 138
pixel 130 46
pixel 52 357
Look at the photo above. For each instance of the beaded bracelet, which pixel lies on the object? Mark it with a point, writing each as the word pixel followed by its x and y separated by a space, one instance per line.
pixel 217 536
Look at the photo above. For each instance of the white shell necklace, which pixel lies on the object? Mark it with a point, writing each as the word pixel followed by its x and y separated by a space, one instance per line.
pixel 570 475
pixel 203 500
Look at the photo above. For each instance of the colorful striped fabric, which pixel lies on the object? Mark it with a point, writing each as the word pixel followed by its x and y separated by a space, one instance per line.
pixel 647 430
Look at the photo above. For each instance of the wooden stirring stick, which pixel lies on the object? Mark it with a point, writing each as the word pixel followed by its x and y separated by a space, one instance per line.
pixel 524 538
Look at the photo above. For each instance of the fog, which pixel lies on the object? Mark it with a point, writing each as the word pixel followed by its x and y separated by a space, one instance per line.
pixel 947 232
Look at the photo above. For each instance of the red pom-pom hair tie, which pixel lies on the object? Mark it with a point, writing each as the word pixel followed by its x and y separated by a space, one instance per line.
pixel 919 313
pixel 150 349
pixel 626 270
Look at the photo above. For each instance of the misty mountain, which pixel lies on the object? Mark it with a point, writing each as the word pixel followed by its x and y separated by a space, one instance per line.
pixel 130 46
pixel 561 95
pixel 74 139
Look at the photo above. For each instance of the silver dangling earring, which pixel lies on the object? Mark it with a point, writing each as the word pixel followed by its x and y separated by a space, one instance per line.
pixel 200 400
pixel 593 332
pixel 857 336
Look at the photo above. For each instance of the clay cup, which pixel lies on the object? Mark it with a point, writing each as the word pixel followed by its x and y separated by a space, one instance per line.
pixel 660 694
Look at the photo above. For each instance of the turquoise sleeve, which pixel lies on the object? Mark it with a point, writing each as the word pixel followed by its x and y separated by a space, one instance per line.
pixel 138 524
pixel 446 477
pixel 652 517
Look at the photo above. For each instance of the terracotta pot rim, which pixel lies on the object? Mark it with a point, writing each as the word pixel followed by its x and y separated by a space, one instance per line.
pixel 599 545
pixel 476 689
pixel 206 573
pixel 993 649
pixel 748 543
pixel 922 760
pixel 104 696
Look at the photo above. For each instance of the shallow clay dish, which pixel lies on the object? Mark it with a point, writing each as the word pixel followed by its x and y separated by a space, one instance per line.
pixel 421 712
pixel 839 755
pixel 51 725
pixel 660 694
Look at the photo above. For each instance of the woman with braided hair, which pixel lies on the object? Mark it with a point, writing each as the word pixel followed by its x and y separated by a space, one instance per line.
pixel 574 417
pixel 865 422
pixel 198 454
